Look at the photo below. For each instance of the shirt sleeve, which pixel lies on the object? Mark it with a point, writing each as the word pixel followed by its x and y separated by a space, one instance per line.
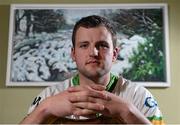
pixel 39 98
pixel 49 91
pixel 148 106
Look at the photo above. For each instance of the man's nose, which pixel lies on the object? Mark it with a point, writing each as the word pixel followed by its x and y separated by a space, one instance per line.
pixel 93 51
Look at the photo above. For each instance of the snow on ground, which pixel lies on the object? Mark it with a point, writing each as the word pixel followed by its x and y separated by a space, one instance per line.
pixel 36 59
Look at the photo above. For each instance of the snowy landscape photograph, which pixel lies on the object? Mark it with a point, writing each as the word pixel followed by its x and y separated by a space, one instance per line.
pixel 39 49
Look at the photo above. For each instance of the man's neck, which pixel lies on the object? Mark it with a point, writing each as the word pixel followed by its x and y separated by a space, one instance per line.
pixel 103 80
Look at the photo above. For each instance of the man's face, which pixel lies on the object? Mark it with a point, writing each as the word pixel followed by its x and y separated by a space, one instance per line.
pixel 93 51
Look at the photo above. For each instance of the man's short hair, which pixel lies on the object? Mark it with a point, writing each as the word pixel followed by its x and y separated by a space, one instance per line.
pixel 94 21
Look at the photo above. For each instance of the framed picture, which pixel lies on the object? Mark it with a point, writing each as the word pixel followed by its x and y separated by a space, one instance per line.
pixel 40 42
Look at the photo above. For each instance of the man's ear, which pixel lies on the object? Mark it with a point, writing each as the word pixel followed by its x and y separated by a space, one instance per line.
pixel 115 53
pixel 73 54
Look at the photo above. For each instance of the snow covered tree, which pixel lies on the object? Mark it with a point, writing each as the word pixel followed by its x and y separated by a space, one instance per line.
pixel 47 21
pixel 148 61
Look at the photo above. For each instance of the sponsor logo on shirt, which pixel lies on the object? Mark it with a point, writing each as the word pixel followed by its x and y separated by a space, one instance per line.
pixel 150 102
pixel 36 101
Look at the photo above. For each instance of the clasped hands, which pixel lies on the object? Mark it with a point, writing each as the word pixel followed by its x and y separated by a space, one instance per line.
pixel 82 101
pixel 88 100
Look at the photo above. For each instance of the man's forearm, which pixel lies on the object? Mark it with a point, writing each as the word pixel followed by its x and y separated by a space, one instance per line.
pixel 36 117
pixel 133 116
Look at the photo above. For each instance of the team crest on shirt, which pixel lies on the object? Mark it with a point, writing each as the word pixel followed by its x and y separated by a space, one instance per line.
pixel 150 102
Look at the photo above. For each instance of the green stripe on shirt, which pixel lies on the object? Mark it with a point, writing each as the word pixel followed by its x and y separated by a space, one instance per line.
pixel 155 118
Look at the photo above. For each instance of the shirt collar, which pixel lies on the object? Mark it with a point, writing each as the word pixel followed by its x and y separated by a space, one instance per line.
pixel 110 86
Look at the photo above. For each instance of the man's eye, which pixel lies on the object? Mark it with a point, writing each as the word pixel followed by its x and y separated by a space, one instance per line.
pixel 83 46
pixel 103 46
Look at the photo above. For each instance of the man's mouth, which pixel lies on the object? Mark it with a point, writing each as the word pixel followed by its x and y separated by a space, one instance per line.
pixel 92 62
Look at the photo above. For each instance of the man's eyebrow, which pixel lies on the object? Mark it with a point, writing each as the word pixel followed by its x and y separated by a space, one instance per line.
pixel 103 41
pixel 81 42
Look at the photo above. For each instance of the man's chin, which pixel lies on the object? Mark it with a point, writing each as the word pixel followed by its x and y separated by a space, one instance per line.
pixel 95 74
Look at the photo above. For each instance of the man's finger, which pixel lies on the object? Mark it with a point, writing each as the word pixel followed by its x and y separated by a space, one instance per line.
pixel 89 106
pixel 97 87
pixel 93 86
pixel 84 112
pixel 82 99
pixel 75 89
